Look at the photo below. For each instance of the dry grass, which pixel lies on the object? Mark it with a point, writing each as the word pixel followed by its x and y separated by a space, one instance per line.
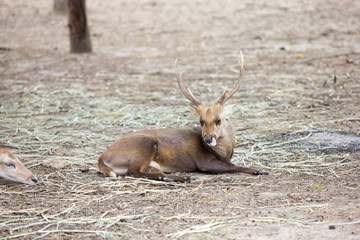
pixel 57 106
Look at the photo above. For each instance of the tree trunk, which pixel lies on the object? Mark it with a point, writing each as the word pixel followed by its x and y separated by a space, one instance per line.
pixel 60 7
pixel 79 32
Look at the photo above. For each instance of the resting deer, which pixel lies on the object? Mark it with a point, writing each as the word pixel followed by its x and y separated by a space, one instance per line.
pixel 206 148
pixel 12 169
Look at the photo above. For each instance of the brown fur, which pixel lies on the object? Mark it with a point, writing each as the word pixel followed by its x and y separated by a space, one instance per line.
pixel 150 153
pixel 174 150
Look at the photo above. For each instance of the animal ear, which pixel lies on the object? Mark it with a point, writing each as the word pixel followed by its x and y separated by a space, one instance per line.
pixel 193 111
pixel 228 111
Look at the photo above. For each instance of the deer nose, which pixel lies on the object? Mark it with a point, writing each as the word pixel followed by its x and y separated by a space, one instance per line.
pixel 34 180
pixel 208 139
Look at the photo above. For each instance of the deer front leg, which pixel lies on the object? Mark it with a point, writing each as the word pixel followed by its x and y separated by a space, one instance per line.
pixel 216 166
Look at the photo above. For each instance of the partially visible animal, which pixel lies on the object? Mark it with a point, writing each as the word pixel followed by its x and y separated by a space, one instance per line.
pixel 12 169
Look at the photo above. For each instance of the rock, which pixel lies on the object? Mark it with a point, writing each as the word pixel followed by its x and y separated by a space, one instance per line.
pixel 56 164
pixel 84 168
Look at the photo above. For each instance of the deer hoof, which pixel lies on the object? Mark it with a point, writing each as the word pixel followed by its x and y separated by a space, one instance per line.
pixel 190 179
pixel 261 172
pixel 167 179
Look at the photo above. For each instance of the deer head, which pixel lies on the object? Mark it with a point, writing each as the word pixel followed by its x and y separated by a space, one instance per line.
pixel 213 119
pixel 12 169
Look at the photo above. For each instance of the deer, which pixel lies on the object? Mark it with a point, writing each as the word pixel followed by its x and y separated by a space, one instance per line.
pixel 156 153
pixel 12 169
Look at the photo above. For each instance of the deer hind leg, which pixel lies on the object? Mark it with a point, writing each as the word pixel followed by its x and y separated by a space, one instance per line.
pixel 105 169
pixel 144 165
pixel 156 174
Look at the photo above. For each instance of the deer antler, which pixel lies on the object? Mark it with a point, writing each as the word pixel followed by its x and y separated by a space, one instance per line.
pixel 225 96
pixel 187 93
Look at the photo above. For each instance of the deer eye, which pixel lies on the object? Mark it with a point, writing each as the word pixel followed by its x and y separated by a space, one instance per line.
pixel 201 123
pixel 218 122
pixel 10 164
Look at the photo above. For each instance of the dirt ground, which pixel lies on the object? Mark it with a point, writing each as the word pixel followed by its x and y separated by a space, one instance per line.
pixel 297 117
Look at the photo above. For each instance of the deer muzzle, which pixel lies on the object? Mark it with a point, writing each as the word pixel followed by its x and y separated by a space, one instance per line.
pixel 210 140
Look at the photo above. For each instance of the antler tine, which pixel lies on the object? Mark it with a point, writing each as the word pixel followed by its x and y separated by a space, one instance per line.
pixel 188 94
pixel 225 96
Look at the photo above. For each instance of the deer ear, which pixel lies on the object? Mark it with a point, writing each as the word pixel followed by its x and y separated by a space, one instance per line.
pixel 228 111
pixel 193 111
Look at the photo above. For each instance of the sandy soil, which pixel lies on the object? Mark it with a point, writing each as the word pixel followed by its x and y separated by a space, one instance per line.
pixel 302 80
